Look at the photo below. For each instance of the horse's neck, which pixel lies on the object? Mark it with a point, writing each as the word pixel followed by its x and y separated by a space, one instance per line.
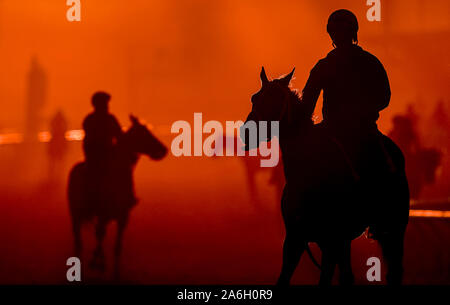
pixel 294 126
pixel 292 120
pixel 125 157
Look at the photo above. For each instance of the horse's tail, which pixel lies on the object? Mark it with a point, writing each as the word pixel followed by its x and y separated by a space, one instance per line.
pixel 311 256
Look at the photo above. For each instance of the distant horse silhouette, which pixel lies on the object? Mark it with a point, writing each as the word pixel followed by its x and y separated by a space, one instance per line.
pixel 113 199
pixel 423 162
pixel 323 200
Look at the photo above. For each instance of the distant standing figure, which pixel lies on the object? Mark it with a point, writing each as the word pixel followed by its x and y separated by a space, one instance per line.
pixel 57 147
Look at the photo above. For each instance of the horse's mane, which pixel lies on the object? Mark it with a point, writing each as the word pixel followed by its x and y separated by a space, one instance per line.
pixel 295 95
pixel 123 152
pixel 297 109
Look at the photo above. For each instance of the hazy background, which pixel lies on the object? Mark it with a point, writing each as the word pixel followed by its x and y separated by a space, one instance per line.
pixel 163 60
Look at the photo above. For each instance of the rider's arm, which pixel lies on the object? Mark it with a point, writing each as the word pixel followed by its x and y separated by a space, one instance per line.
pixel 85 123
pixel 87 126
pixel 116 128
pixel 312 89
pixel 381 94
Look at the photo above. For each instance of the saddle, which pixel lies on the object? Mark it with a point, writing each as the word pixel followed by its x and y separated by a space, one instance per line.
pixel 357 148
pixel 109 188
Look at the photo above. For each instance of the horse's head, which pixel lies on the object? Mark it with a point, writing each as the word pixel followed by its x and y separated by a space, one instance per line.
pixel 142 141
pixel 270 103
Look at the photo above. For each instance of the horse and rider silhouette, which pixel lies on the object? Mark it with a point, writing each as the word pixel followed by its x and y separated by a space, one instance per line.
pixel 342 175
pixel 101 188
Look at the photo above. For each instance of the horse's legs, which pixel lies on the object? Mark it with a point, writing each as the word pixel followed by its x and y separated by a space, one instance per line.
pixel 392 247
pixel 345 266
pixel 98 260
pixel 293 249
pixel 76 228
pixel 121 225
pixel 328 264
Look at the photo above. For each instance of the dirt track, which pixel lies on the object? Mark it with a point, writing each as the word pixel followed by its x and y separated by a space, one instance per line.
pixel 194 224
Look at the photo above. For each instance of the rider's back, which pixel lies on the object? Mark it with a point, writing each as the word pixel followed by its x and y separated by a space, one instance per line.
pixel 101 129
pixel 355 87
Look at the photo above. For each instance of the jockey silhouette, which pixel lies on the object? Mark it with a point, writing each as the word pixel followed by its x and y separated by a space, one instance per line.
pixel 355 88
pixel 102 130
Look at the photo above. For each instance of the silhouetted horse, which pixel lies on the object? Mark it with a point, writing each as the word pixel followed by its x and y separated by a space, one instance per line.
pixel 113 197
pixel 324 200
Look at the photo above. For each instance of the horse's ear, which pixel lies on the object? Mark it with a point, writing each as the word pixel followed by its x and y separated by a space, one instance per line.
pixel 134 119
pixel 263 76
pixel 287 79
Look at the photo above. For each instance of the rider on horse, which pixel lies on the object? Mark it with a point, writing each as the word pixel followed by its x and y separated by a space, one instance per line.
pixel 355 88
pixel 102 132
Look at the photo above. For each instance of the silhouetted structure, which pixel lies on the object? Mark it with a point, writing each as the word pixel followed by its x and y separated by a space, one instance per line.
pixel 35 100
pixel 342 175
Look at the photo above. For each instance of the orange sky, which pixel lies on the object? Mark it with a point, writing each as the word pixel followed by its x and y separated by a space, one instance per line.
pixel 165 59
